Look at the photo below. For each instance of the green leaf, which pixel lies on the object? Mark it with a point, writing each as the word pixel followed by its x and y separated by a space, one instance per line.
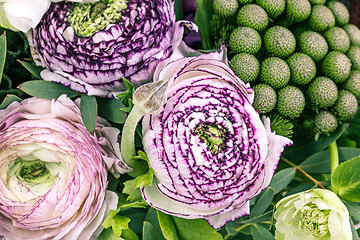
pixel 129 234
pixel 263 202
pixel 266 217
pixel 134 193
pixel 109 108
pixel 150 232
pixel 32 68
pixel 345 180
pixel 9 99
pixel 203 16
pixel 108 234
pixel 282 179
pixel 260 233
pixel 303 148
pixel 46 89
pixel 4 22
pixel 88 108
pixel 128 93
pixel 320 161
pixel 167 226
pixel 117 222
pixel 189 229
pixel 3 49
pixel 355 235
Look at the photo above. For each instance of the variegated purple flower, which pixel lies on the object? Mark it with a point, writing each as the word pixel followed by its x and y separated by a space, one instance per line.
pixel 53 172
pixel 90 47
pixel 210 151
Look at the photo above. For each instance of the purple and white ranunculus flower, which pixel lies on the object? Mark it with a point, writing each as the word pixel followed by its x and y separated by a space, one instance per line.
pixel 210 151
pixel 91 47
pixel 53 172
pixel 24 14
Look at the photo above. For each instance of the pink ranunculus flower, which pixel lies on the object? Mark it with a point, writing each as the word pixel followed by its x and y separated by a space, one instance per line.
pixel 209 149
pixel 53 172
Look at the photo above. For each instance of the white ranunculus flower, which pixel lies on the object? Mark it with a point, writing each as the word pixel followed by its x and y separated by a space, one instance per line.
pixel 313 214
pixel 53 172
pixel 209 149
pixel 26 14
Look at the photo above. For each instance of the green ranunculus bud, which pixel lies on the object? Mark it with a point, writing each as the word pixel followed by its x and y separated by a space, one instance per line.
pixel 313 214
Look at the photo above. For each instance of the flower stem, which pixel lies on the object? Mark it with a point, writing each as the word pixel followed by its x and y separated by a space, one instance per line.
pixel 128 135
pixel 303 172
pixel 334 156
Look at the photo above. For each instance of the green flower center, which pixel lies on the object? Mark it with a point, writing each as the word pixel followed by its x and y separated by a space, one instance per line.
pixel 214 136
pixel 29 172
pixel 89 18
pixel 314 221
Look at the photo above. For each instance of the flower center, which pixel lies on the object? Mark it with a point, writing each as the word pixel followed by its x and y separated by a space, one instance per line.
pixel 314 221
pixel 88 18
pixel 214 136
pixel 31 171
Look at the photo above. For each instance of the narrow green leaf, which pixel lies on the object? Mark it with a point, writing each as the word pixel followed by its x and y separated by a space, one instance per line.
pixel 266 217
pixel 345 180
pixel 355 235
pixel 3 49
pixel 32 68
pixel 260 233
pixel 109 108
pixel 46 89
pixel 203 16
pixel 282 179
pixel 320 161
pixel 167 226
pixel 263 202
pixel 88 108
pixel 150 232
pixel 353 208
pixel 9 99
pixel 189 229
pixel 179 12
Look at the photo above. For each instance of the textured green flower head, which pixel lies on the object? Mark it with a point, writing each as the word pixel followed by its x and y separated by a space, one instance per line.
pixel 88 18
pixel 314 214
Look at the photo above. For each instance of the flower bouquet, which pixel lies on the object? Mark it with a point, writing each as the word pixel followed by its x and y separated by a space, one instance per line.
pixel 179 120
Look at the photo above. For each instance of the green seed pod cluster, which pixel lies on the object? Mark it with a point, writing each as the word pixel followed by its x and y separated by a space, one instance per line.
pixel 301 57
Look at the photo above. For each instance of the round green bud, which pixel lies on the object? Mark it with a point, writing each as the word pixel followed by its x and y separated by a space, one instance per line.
pixel 253 16
pixel 275 72
pixel 297 10
pixel 225 8
pixel 279 41
pixel 325 122
pixel 346 106
pixel 291 101
pixel 245 66
pixel 337 39
pixel 336 66
pixel 340 11
pixel 272 7
pixel 302 68
pixel 353 32
pixel 322 92
pixel 313 44
pixel 245 40
pixel 264 98
pixel 321 18
pixel 352 84
pixel 354 55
